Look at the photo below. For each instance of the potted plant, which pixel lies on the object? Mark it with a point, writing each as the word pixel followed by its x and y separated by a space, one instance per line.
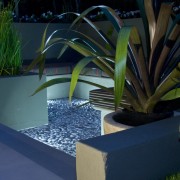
pixel 16 106
pixel 146 78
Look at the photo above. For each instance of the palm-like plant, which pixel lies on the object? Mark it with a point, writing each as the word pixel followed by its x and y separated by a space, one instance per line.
pixel 140 81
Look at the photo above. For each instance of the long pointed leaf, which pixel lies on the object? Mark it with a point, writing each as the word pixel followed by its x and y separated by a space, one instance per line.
pixel 120 63
pixel 65 80
pixel 151 19
pixel 139 90
pixel 173 94
pixel 90 40
pixel 101 34
pixel 166 49
pixel 104 66
pixel 85 51
pixel 51 83
pixel 145 24
pixel 94 42
pixel 76 72
pixel 43 39
pixel 41 67
pixel 36 61
pixel 168 84
pixel 141 61
pixel 160 33
pixel 82 49
pixel 112 17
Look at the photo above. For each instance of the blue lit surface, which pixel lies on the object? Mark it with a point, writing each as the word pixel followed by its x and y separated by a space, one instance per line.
pixel 67 125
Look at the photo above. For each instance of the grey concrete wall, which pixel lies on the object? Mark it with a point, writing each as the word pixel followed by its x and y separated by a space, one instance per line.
pixel 18 109
pixel 31 35
pixel 146 152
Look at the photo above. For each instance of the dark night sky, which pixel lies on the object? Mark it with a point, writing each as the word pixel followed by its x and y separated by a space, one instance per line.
pixel 40 6
pixel 121 4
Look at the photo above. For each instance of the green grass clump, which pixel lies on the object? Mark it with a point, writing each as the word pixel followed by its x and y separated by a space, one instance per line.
pixel 10 45
pixel 174 177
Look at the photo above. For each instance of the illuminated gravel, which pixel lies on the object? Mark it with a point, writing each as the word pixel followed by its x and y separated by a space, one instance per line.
pixel 67 125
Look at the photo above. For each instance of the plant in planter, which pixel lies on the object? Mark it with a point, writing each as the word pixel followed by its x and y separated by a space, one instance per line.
pixel 16 106
pixel 10 45
pixel 146 78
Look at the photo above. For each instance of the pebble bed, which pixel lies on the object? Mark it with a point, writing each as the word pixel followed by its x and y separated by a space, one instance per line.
pixel 68 123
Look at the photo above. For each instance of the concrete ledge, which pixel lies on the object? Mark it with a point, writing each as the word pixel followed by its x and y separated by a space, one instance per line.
pixel 23 158
pixel 146 152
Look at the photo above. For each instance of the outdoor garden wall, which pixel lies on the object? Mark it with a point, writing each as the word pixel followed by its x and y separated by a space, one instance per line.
pixel 31 35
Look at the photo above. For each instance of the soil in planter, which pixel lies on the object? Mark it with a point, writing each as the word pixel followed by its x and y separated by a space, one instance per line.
pixel 137 118
pixel 163 109
pixel 168 106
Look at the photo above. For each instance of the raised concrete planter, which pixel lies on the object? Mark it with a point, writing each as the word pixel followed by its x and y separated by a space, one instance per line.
pixel 23 158
pixel 145 152
pixel 18 109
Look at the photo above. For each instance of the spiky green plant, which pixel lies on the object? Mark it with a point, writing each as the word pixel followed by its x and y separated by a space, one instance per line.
pixel 10 45
pixel 140 82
